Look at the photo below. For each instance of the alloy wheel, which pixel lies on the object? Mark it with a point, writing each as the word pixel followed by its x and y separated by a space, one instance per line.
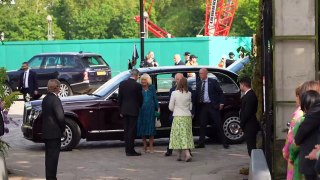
pixel 64 90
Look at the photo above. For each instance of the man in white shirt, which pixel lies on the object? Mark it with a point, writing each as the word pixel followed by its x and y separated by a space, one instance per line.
pixel 28 83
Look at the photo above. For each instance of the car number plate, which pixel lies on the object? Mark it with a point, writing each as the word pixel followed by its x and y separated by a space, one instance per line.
pixel 101 73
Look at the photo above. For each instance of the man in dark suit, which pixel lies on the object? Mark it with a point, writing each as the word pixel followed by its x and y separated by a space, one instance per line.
pixel 130 101
pixel 248 120
pixel 53 127
pixel 177 60
pixel 28 83
pixel 209 97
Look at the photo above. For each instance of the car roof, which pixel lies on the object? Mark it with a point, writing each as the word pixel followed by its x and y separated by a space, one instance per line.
pixel 163 69
pixel 70 53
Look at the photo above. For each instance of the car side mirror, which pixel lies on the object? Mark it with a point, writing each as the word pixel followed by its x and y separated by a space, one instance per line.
pixel 114 97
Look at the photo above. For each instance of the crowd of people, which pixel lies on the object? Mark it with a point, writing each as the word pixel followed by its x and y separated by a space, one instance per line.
pixel 139 106
pixel 302 146
pixel 140 120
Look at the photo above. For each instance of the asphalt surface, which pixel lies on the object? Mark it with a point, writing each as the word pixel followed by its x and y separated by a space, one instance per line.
pixel 106 160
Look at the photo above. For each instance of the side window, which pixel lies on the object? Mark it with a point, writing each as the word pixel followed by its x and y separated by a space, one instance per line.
pixel 164 82
pixel 226 83
pixel 36 62
pixel 71 62
pixel 52 61
pixel 94 61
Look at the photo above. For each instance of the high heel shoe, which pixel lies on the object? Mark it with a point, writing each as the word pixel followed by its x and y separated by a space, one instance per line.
pixel 179 156
pixel 188 159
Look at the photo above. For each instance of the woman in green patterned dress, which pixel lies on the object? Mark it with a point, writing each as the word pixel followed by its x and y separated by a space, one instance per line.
pixel 181 137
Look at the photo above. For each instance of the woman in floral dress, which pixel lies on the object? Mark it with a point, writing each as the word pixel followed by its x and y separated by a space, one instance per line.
pixel 181 137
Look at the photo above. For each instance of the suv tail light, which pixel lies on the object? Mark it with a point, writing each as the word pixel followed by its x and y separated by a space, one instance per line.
pixel 85 76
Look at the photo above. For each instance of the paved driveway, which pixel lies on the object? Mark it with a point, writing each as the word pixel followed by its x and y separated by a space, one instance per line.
pixel 106 160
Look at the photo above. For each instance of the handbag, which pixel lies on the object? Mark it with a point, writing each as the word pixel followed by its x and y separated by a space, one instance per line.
pixel 157 119
pixel 158 123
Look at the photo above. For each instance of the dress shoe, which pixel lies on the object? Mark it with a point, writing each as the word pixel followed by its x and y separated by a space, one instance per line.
pixel 168 153
pixel 133 154
pixel 200 146
pixel 226 146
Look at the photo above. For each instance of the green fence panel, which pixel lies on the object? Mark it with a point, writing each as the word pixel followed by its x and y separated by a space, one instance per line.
pixel 117 51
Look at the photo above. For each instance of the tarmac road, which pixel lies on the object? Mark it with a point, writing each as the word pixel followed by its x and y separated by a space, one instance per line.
pixel 106 160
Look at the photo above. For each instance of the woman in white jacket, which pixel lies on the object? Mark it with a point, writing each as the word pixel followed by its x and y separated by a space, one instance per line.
pixel 181 137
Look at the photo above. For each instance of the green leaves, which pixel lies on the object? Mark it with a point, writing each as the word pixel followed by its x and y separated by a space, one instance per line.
pixel 101 19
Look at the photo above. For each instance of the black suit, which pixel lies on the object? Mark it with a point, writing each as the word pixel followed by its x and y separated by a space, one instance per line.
pixel 53 126
pixel 32 84
pixel 248 119
pixel 308 135
pixel 179 63
pixel 208 111
pixel 130 101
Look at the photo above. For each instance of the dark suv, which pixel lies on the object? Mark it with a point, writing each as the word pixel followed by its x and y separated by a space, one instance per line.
pixel 78 72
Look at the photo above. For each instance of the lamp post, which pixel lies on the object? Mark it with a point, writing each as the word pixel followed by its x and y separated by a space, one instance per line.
pixel 146 18
pixel 50 35
pixel 141 33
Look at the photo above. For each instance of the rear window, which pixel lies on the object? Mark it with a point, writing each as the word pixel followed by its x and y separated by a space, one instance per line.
pixel 94 61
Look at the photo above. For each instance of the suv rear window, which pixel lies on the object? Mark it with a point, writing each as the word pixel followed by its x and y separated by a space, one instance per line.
pixel 94 61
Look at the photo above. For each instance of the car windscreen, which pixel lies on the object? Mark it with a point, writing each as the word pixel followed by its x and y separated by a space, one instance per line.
pixel 94 61
pixel 114 82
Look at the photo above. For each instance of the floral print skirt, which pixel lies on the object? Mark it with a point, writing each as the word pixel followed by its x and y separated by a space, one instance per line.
pixel 181 133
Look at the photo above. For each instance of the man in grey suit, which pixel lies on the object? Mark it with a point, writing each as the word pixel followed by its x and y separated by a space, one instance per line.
pixel 53 127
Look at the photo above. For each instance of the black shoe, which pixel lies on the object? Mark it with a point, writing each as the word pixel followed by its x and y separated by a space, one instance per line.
pixel 200 146
pixel 168 153
pixel 226 146
pixel 133 154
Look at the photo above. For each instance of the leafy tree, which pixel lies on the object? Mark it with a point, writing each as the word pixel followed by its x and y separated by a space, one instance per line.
pixel 246 18
pixel 20 22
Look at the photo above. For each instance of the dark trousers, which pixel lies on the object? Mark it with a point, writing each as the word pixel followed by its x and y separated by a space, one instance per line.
pixel 52 147
pixel 250 135
pixel 311 177
pixel 207 113
pixel 24 92
pixel 130 131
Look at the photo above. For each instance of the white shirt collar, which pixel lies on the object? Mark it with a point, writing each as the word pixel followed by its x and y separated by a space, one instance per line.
pixel 247 91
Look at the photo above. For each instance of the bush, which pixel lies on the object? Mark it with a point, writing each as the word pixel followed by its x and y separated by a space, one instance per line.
pixel 5 103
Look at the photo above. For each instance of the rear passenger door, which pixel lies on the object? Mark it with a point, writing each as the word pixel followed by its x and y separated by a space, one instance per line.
pixel 164 82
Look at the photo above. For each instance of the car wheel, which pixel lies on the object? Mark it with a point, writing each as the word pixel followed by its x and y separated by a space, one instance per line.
pixel 7 89
pixel 72 136
pixel 65 90
pixel 231 128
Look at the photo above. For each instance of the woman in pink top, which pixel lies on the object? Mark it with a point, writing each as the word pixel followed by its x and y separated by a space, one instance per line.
pixel 289 140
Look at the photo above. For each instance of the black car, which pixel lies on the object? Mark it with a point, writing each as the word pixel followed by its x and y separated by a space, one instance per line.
pixel 78 72
pixel 96 116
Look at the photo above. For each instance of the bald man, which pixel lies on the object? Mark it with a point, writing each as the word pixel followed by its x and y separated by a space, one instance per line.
pixel 177 60
pixel 209 96
pixel 53 127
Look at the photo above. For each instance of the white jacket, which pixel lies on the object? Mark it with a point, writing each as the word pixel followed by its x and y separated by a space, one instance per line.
pixel 180 103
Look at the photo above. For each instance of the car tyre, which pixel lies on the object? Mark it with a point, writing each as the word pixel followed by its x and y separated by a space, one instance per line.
pixel 65 90
pixel 7 89
pixel 72 136
pixel 231 128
